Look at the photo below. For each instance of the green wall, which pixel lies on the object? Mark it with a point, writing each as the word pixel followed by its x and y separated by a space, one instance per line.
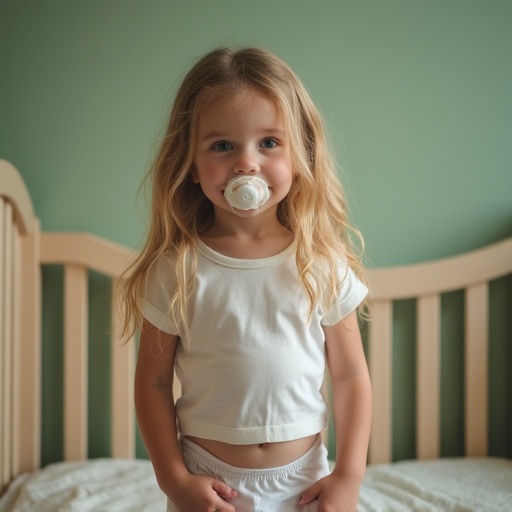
pixel 417 96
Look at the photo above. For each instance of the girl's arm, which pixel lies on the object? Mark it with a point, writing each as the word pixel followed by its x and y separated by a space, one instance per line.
pixel 352 406
pixel 156 416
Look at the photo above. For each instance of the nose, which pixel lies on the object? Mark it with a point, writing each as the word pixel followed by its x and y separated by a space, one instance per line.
pixel 246 162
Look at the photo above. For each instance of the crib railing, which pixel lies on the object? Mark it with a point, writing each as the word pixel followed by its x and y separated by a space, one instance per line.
pixel 80 253
pixel 24 249
pixel 425 283
pixel 470 273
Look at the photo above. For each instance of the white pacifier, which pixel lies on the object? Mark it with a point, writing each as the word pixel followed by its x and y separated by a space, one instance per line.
pixel 246 192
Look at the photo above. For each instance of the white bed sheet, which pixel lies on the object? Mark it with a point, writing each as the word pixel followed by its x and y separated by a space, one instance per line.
pixel 107 485
pixel 443 485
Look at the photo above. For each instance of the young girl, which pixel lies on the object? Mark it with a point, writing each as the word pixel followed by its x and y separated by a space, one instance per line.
pixel 247 288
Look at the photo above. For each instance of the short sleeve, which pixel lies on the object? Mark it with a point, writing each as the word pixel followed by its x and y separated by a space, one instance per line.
pixel 352 293
pixel 156 301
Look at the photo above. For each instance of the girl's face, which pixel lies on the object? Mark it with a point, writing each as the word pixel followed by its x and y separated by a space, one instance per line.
pixel 245 137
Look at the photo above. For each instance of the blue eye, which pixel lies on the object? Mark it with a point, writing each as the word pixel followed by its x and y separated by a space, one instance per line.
pixel 222 146
pixel 269 143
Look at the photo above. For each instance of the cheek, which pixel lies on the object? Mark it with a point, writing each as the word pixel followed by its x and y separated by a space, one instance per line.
pixel 283 171
pixel 214 174
pixel 209 174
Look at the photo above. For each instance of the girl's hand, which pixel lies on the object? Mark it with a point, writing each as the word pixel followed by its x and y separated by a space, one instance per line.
pixel 199 493
pixel 334 494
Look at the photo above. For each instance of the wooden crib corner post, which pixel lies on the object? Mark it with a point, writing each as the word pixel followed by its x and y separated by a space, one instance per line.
pixel 20 328
pixel 6 341
pixel 30 353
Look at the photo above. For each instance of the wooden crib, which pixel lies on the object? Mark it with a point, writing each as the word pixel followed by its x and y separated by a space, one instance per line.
pixel 25 249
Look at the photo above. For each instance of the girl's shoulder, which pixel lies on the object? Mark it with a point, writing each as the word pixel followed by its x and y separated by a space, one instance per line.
pixel 163 269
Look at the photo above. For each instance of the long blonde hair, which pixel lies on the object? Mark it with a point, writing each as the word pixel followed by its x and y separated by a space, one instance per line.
pixel 314 211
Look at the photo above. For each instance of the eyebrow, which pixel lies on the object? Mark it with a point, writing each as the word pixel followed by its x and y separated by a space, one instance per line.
pixel 212 135
pixel 216 135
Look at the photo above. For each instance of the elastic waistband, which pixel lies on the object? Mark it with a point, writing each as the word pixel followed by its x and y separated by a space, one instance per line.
pixel 193 452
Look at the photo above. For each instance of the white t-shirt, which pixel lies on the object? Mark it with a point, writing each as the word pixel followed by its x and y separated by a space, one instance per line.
pixel 251 367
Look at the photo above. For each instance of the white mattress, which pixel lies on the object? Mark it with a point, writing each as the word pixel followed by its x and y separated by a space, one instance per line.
pixel 459 485
pixel 106 485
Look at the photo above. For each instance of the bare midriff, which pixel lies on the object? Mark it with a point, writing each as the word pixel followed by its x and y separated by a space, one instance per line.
pixel 257 456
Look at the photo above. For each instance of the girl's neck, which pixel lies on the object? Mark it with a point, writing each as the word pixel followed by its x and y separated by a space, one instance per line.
pixel 247 238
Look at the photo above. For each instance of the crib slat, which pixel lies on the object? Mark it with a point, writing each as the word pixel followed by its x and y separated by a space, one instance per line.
pixel 75 362
pixel 428 377
pixel 380 364
pixel 123 409
pixel 123 412
pixel 476 369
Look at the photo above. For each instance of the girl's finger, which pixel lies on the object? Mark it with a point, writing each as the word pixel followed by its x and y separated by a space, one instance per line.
pixel 309 495
pixel 223 490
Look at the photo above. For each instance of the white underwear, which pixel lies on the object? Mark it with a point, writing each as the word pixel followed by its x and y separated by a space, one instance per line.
pixel 261 490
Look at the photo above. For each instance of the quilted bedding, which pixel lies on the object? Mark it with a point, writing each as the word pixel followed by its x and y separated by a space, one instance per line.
pixel 114 485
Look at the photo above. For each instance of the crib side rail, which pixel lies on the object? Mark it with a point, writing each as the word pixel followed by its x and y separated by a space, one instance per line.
pixel 78 253
pixel 425 283
pixel 23 249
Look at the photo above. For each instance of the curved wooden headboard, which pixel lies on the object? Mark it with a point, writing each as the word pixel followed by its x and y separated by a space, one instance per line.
pixel 24 249
pixel 20 337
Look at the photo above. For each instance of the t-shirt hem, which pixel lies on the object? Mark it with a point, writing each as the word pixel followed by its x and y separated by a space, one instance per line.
pixel 253 435
pixel 346 308
pixel 157 318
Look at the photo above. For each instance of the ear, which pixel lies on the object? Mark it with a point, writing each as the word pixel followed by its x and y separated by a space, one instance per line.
pixel 194 174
